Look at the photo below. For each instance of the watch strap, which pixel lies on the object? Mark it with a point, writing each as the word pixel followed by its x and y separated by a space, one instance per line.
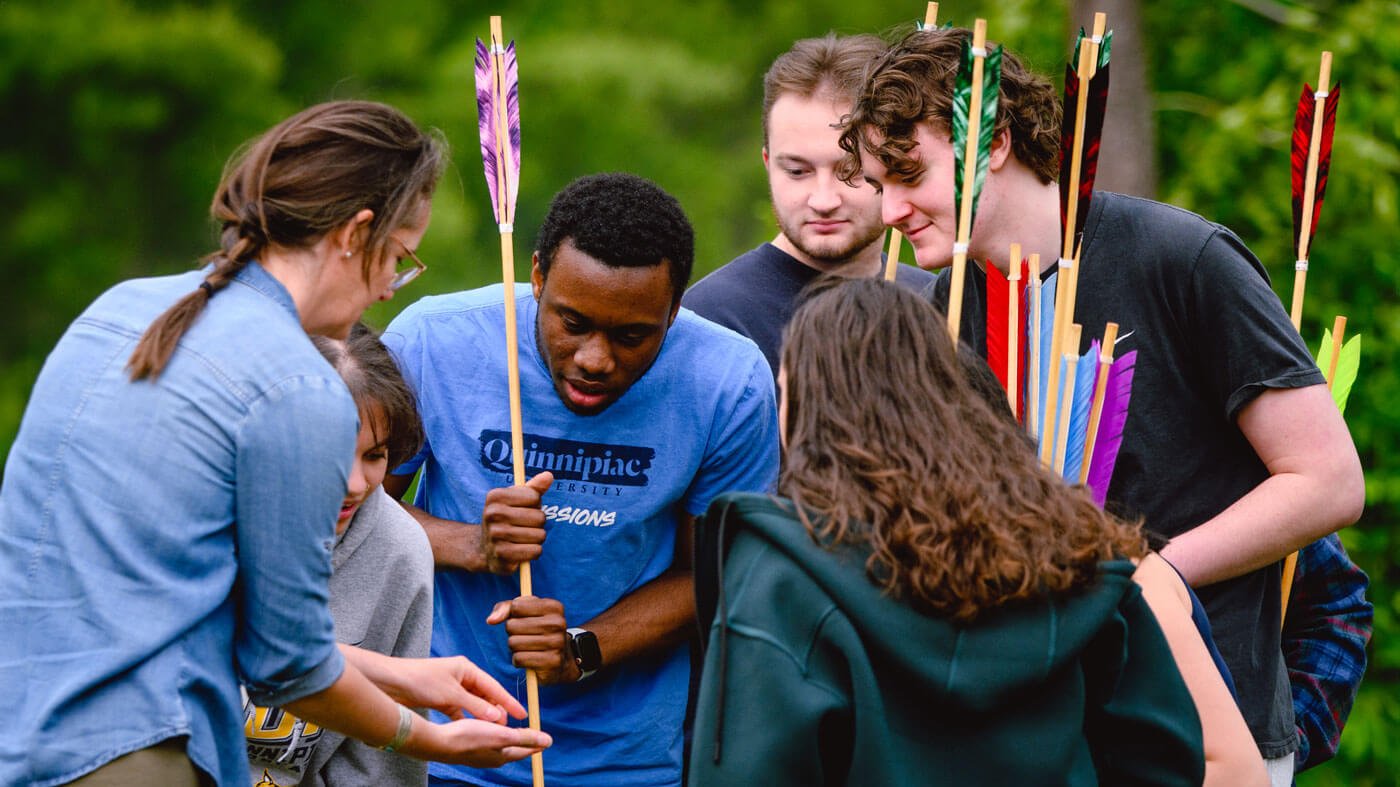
pixel 577 652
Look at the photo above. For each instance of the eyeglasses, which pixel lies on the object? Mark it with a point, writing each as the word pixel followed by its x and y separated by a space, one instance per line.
pixel 408 270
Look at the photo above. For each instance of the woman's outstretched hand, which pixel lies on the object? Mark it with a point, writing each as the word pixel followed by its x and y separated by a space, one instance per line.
pixel 472 742
pixel 452 685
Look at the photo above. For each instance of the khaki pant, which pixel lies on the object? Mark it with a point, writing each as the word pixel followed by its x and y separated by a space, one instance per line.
pixel 164 764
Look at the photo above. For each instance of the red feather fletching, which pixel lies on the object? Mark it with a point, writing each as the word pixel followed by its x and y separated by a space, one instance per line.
pixel 1302 139
pixel 997 286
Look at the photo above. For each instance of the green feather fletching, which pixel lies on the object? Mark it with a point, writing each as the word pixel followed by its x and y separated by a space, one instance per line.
pixel 1348 365
pixel 962 102
pixel 1103 48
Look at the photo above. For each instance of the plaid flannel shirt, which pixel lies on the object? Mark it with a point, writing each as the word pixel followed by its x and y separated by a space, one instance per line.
pixel 1324 646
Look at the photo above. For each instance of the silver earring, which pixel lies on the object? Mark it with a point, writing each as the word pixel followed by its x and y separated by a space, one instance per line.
pixel 347 255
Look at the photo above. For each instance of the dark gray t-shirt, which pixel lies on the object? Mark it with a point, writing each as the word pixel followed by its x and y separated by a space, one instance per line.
pixel 756 294
pixel 1211 335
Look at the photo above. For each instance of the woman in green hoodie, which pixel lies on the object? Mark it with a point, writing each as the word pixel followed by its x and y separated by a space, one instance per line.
pixel 925 604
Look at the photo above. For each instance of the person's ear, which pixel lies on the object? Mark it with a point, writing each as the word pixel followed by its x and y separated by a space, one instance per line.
pixel 765 156
pixel 1001 150
pixel 352 235
pixel 536 275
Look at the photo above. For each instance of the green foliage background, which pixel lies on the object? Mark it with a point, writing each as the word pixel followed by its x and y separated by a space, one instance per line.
pixel 120 114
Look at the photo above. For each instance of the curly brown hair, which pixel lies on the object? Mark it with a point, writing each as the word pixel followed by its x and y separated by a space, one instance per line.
pixel 890 448
pixel 913 83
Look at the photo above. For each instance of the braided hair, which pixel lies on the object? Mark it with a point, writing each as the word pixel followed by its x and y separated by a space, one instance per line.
pixel 303 178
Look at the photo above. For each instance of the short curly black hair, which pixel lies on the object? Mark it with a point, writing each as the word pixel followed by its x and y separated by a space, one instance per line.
pixel 623 221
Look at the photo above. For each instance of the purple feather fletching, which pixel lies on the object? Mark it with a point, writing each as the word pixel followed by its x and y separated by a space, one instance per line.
pixel 512 93
pixel 486 118
pixel 1117 392
pixel 490 86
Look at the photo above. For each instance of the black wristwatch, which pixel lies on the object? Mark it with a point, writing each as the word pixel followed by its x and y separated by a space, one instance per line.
pixel 583 646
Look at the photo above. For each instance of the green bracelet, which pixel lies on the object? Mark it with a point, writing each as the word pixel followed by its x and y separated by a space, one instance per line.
pixel 405 727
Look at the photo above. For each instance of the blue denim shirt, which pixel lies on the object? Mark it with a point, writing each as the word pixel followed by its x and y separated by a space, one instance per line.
pixel 160 541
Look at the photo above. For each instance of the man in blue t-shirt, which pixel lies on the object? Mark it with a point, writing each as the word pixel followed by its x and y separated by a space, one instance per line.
pixel 824 225
pixel 636 413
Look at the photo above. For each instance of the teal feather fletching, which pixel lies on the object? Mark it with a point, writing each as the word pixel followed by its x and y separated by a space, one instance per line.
pixel 962 103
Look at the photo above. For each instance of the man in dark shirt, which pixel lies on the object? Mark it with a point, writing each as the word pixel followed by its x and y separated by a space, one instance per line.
pixel 824 224
pixel 1233 448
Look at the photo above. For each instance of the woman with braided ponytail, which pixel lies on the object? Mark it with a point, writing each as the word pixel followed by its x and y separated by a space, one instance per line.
pixel 170 497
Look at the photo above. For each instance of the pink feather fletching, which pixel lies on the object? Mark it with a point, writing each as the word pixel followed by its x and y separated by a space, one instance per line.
pixel 501 163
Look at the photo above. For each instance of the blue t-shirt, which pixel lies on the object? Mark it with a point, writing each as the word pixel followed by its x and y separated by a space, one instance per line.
pixel 701 421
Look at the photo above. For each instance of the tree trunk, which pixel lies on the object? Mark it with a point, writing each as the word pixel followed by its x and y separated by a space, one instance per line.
pixel 1128 157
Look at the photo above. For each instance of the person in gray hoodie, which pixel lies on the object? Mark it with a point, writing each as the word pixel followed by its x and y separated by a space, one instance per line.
pixel 924 604
pixel 381 587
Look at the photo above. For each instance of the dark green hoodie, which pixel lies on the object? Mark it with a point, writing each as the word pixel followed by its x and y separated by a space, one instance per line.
pixel 813 676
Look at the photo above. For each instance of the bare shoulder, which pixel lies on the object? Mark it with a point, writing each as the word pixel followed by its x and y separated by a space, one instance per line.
pixel 1160 584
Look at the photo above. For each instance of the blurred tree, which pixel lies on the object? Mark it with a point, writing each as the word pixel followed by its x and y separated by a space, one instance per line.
pixel 119 122
pixel 1127 160
pixel 121 113
pixel 1227 86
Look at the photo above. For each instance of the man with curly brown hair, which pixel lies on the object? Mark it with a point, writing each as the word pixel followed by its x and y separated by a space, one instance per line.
pixel 1233 448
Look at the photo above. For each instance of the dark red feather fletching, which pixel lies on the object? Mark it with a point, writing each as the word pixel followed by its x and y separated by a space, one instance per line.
pixel 1067 138
pixel 1094 107
pixel 1093 120
pixel 1302 139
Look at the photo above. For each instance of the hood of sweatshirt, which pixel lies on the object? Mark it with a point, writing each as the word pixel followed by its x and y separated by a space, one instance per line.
pixel 979 666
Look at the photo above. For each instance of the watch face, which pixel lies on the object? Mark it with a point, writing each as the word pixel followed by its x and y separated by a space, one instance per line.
pixel 586 651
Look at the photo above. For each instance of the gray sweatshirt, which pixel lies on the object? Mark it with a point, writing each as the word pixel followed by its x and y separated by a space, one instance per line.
pixel 381 600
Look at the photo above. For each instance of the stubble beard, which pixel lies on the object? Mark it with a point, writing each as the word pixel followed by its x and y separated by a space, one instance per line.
pixel 830 254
